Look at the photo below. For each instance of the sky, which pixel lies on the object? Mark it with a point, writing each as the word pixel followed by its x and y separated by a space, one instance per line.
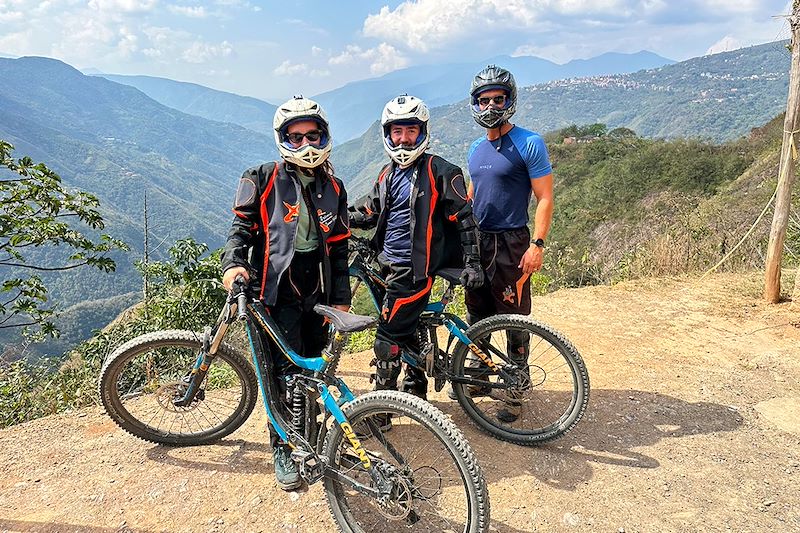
pixel 274 49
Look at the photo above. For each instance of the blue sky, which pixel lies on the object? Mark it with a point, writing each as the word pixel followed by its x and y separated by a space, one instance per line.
pixel 272 50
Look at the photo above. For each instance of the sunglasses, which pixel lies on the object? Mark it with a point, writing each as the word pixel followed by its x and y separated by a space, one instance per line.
pixel 312 136
pixel 496 100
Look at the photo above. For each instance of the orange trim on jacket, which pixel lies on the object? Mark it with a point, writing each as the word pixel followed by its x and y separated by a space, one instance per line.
pixel 265 222
pixel 429 230
pixel 400 302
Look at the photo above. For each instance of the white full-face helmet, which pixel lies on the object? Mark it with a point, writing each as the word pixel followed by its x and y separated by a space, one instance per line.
pixel 295 110
pixel 405 110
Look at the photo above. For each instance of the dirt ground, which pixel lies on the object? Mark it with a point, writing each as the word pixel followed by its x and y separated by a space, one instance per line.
pixel 693 425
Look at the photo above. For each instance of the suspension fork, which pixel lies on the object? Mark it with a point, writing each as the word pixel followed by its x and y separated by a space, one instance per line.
pixel 210 344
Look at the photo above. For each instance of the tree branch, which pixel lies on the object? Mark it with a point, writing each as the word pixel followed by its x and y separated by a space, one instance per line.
pixel 54 269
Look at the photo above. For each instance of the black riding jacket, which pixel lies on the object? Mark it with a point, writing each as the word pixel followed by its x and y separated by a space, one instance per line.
pixel 262 235
pixel 441 215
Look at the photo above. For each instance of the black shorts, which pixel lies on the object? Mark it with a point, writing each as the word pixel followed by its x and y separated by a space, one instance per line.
pixel 507 288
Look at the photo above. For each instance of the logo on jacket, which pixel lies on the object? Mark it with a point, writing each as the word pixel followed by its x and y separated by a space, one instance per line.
pixel 508 294
pixel 292 211
pixel 326 220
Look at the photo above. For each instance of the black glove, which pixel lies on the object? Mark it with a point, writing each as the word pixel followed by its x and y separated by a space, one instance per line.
pixel 472 276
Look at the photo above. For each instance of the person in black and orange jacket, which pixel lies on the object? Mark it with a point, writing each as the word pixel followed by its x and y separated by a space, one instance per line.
pixel 290 234
pixel 421 215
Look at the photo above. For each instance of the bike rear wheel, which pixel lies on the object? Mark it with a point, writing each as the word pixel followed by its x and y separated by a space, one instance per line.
pixel 551 391
pixel 141 379
pixel 437 483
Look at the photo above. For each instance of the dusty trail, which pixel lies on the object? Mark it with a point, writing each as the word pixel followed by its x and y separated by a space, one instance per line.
pixel 693 425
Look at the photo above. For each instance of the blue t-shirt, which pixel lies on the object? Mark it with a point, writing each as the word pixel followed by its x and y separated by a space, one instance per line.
pixel 501 179
pixel 397 242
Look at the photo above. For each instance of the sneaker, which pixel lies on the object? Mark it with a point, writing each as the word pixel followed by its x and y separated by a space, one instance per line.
pixel 473 391
pixel 286 472
pixel 512 407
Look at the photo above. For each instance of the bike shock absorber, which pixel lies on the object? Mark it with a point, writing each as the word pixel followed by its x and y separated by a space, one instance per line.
pixel 298 401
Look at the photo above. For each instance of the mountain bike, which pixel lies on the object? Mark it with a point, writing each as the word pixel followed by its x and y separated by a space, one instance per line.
pixel 183 388
pixel 526 403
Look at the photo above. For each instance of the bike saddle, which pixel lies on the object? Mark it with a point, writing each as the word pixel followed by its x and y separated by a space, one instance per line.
pixel 345 322
pixel 450 274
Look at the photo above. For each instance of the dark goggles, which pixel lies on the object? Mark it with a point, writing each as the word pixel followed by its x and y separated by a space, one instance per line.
pixel 297 138
pixel 499 100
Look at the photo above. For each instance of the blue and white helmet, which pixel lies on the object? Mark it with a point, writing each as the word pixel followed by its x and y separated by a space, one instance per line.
pixel 405 110
pixel 295 110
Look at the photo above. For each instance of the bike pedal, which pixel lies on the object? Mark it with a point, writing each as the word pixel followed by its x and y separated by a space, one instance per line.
pixel 309 465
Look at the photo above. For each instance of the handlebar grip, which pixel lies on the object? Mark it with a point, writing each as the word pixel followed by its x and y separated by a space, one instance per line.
pixel 241 298
pixel 241 306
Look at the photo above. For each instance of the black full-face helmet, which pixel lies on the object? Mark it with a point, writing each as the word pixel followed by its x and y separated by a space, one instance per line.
pixel 493 77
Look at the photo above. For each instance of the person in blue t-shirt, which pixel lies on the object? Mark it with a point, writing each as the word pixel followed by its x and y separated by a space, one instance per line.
pixel 423 222
pixel 506 166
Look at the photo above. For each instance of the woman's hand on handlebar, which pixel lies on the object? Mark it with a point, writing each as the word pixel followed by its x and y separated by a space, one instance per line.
pixel 231 274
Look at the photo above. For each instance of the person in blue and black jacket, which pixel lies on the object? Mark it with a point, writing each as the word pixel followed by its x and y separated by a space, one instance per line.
pixel 423 222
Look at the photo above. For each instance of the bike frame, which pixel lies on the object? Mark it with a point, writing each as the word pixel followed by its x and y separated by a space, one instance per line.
pixel 258 323
pixel 363 271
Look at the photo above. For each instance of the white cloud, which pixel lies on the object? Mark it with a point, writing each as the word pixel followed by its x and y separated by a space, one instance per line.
pixel 198 12
pixel 201 52
pixel 382 59
pixel 123 6
pixel 7 17
pixel 287 68
pixel 428 25
pixel 726 44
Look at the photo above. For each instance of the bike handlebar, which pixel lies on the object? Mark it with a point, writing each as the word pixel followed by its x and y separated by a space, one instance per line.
pixel 239 286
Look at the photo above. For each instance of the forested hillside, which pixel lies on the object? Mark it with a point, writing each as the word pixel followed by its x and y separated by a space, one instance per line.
pixel 113 141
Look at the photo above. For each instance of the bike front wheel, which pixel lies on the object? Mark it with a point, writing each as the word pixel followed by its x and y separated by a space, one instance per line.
pixel 435 482
pixel 547 389
pixel 142 379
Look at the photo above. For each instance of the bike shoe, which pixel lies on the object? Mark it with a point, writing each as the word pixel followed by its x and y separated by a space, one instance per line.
pixel 286 471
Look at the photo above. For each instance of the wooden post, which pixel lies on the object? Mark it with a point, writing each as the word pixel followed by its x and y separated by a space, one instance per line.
pixel 791 136
pixel 146 259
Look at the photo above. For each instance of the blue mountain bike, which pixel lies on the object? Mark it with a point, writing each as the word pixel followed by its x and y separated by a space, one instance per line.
pixel 182 388
pixel 528 399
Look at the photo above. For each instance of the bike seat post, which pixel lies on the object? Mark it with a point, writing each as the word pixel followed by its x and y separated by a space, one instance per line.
pixel 333 351
pixel 447 297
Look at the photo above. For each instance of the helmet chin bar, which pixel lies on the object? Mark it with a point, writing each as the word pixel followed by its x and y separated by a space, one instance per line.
pixel 307 156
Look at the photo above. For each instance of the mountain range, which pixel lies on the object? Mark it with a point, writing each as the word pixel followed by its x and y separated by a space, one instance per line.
pixel 114 141
pixel 118 142
pixel 717 97
pixel 353 107
pixel 193 99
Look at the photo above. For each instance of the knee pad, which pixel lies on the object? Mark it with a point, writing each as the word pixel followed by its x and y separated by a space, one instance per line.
pixel 387 365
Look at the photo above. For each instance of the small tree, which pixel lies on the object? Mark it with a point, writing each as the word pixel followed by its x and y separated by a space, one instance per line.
pixel 36 210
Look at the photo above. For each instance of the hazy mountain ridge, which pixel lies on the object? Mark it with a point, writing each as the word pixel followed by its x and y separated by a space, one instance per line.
pixel 353 107
pixel 201 101
pixel 718 97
